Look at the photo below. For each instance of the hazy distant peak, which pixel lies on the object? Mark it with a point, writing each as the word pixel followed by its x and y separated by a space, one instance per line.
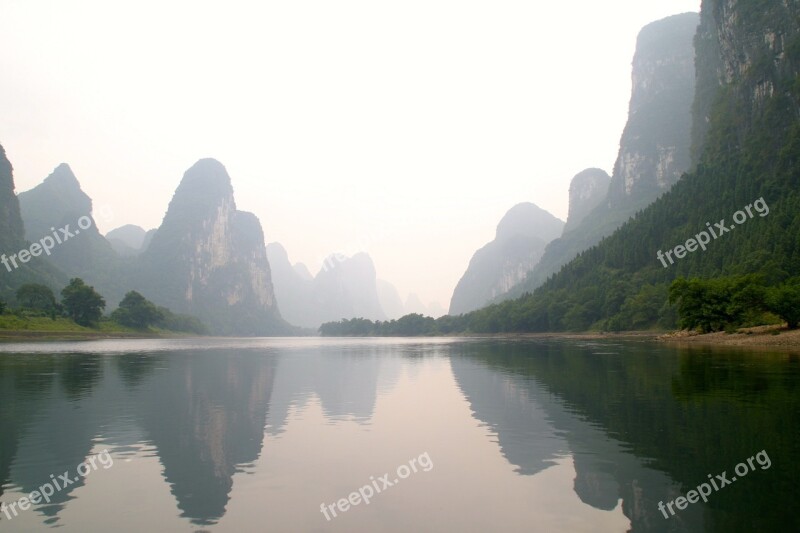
pixel 363 259
pixel 357 265
pixel 276 249
pixel 62 173
pixel 414 304
pixel 129 234
pixel 62 177
pixel 60 191
pixel 530 220
pixel 494 269
pixel 333 260
pixel 303 271
pixel 390 300
pixel 277 253
pixel 586 190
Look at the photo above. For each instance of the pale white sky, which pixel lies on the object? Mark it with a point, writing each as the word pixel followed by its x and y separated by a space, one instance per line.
pixel 404 129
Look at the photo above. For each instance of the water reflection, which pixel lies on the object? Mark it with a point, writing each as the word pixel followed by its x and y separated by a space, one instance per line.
pixel 646 423
pixel 204 412
pixel 638 424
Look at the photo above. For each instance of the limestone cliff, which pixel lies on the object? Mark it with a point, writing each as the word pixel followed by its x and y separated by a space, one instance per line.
pixel 12 234
pixel 209 260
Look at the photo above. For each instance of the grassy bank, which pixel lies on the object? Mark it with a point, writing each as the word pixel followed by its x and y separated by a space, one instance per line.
pixel 14 327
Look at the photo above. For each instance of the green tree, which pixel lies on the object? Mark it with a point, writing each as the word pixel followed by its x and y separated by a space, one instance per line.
pixel 37 297
pixel 784 301
pixel 82 303
pixel 701 303
pixel 719 303
pixel 136 311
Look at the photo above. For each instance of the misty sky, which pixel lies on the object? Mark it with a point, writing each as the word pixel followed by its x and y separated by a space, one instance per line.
pixel 404 129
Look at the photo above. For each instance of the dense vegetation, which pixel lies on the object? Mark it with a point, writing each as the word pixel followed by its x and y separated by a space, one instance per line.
pixel 728 303
pixel 81 307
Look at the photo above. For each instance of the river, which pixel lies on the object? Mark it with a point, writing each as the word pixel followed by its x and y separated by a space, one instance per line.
pixel 396 435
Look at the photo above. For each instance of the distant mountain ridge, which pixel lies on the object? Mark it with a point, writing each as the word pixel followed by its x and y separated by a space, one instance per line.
pixel 346 287
pixel 129 240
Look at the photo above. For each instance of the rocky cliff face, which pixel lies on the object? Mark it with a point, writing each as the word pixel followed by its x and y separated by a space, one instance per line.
pixel 12 234
pixel 209 260
pixel 586 190
pixel 655 147
pixel 519 243
pixel 753 49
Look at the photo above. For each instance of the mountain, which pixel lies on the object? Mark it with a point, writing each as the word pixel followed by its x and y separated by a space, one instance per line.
pixel 390 300
pixel 14 273
pixel 303 271
pixel 655 147
pixel 519 243
pixel 208 259
pixel 127 240
pixel 436 310
pixel 148 236
pixel 59 208
pixel 414 305
pixel 12 236
pixel 293 289
pixel 586 191
pixel 746 144
pixel 346 287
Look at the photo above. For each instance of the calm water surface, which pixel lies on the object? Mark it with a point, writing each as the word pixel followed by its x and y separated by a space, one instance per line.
pixel 472 435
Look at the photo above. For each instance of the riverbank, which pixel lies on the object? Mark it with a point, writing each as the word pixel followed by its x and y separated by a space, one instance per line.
pixel 587 335
pixel 22 335
pixel 14 328
pixel 757 337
